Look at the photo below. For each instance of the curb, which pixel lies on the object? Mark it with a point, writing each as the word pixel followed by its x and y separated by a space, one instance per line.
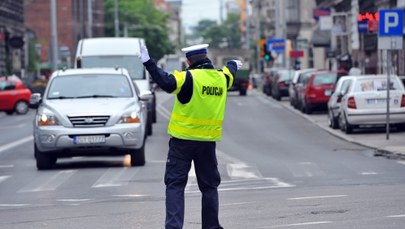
pixel 378 152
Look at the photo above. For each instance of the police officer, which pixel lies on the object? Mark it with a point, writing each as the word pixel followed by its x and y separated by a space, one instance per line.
pixel 195 126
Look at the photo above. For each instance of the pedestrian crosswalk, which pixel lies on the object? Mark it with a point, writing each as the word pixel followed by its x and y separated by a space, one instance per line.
pixel 134 181
pixel 72 185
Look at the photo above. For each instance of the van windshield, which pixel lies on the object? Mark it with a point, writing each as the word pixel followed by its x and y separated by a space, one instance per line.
pixel 131 63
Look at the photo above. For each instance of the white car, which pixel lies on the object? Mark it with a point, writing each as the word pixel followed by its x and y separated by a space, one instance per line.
pixel 365 102
pixel 89 112
pixel 335 100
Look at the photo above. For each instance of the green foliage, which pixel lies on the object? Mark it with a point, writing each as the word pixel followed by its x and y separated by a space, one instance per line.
pixel 33 58
pixel 226 35
pixel 142 20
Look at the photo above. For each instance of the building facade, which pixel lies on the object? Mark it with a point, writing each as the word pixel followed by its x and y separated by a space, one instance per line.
pixel 73 24
pixel 12 32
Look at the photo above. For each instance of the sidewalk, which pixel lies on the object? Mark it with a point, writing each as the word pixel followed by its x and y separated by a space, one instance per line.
pixel 393 147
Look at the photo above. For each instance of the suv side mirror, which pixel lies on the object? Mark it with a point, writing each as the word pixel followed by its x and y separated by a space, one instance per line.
pixel 146 95
pixel 35 100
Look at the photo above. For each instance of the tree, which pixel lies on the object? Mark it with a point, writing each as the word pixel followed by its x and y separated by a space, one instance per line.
pixel 226 35
pixel 141 19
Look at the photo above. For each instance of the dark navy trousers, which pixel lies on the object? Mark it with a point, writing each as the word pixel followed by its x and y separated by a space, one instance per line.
pixel 181 154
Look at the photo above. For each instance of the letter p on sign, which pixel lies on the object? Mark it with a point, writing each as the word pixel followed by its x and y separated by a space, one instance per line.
pixel 391 22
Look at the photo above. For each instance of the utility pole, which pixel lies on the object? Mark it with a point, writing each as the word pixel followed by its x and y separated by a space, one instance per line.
pixel 54 36
pixel 89 18
pixel 221 9
pixel 116 20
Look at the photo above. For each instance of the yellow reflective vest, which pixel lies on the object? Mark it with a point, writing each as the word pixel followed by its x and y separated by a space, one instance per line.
pixel 201 118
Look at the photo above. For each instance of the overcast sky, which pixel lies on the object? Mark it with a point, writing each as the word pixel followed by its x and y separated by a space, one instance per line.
pixel 195 10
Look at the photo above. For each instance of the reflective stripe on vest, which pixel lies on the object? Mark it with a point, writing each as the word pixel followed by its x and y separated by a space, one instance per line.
pixel 202 117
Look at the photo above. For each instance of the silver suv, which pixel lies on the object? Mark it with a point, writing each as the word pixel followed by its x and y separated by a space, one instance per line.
pixel 89 112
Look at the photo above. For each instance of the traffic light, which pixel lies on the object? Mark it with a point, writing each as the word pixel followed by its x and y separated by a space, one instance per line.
pixel 262 48
pixel 267 54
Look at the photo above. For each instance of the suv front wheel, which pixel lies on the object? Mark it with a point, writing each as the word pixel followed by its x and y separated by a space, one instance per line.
pixel 43 161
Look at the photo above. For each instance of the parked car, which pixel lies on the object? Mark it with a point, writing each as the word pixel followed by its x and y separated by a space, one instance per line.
pixel 300 88
pixel 335 100
pixel 268 80
pixel 292 89
pixel 317 89
pixel 281 82
pixel 14 95
pixel 89 112
pixel 365 102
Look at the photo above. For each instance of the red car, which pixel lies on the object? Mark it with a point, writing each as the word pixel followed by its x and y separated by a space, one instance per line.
pixel 14 96
pixel 317 89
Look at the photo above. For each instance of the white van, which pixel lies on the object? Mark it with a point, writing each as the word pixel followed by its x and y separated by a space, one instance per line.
pixel 118 52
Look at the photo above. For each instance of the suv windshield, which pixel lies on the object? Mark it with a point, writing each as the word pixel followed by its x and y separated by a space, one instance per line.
pixel 89 86
pixel 131 63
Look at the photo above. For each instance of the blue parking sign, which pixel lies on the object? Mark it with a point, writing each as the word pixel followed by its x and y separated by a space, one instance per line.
pixel 391 22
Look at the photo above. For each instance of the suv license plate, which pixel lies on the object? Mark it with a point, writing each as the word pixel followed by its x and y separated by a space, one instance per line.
pixel 89 139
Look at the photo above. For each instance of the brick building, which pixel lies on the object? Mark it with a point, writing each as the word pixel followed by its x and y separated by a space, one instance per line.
pixel 72 25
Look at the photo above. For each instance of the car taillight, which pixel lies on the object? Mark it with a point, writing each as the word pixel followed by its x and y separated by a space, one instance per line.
pixel 403 101
pixel 281 84
pixel 351 103
pixel 311 93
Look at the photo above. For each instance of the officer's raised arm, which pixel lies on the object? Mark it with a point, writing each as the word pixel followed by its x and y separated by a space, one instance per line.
pixel 166 81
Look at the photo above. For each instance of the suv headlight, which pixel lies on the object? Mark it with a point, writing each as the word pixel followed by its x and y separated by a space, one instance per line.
pixel 133 117
pixel 47 120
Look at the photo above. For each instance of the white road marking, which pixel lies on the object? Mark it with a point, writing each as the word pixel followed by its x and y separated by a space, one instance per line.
pixel 240 203
pixel 6 166
pixel 73 200
pixel 3 178
pixel 13 205
pixel 50 184
pixel 3 128
pixel 316 197
pixel 115 177
pixel 228 158
pixel 242 170
pixel 300 224
pixel 401 162
pixel 247 184
pixel 396 216
pixel 130 195
pixel 367 173
pixel 191 177
pixel 306 169
pixel 15 143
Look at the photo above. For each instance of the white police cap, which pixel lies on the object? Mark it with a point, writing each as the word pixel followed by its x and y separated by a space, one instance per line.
pixel 195 49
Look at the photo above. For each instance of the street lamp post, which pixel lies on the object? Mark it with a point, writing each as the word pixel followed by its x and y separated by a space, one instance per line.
pixel 54 36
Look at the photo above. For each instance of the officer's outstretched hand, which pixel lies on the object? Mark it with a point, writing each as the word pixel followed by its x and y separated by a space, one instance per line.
pixel 238 64
pixel 144 54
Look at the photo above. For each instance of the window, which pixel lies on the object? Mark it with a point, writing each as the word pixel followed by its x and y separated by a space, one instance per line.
pixel 6 85
pixel 325 79
pixel 380 84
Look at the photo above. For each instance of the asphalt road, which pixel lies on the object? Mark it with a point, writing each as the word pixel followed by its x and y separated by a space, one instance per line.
pixel 278 171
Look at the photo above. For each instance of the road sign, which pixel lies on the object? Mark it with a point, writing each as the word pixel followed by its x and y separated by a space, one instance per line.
pixel 391 23
pixel 276 45
pixel 296 53
pixel 390 31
